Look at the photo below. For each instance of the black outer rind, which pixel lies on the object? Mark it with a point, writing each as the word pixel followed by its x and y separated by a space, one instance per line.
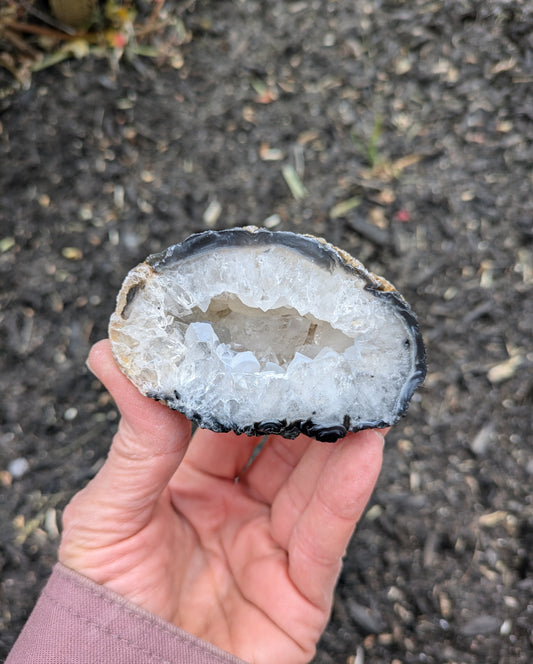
pixel 323 433
pixel 419 374
pixel 328 258
pixel 199 243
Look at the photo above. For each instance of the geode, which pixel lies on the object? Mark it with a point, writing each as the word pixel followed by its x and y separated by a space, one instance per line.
pixel 262 332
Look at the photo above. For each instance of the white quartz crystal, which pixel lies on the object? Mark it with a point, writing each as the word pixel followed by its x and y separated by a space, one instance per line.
pixel 242 334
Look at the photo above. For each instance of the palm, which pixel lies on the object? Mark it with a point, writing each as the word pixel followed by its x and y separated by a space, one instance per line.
pixel 239 594
pixel 248 565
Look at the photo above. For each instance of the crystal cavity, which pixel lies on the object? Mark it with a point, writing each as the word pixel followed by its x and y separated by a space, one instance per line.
pixel 254 331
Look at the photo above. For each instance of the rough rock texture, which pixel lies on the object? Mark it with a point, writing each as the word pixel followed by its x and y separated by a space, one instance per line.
pixel 258 331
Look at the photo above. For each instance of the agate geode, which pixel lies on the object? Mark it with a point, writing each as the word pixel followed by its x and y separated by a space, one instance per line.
pixel 263 332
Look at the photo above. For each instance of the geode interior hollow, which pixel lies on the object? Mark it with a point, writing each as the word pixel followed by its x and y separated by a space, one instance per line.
pixel 262 332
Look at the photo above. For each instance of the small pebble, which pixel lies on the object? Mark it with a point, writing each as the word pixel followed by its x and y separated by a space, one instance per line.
pixel 71 414
pixel 506 627
pixel 18 467
pixel 481 443
pixel 212 213
pixel 272 221
pixel 6 478
pixel 50 523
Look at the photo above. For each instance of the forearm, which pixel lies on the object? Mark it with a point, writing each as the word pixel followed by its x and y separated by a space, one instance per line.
pixel 78 621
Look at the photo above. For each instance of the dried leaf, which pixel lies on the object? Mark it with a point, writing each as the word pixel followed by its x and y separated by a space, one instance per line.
pixel 342 208
pixel 386 171
pixel 6 244
pixel 492 519
pixel 270 154
pixel 294 182
pixel 503 66
pixel 265 94
pixel 72 253
pixel 79 48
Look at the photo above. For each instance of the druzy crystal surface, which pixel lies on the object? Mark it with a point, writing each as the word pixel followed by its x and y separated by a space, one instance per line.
pixel 259 334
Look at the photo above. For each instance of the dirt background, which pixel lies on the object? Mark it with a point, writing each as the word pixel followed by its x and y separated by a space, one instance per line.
pixel 420 116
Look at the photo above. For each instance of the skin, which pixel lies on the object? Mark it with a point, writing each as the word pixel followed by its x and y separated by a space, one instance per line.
pixel 248 565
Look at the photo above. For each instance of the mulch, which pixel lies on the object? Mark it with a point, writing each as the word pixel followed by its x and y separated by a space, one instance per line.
pixel 401 132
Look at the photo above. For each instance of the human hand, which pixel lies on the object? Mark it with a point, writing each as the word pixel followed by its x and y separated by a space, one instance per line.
pixel 250 564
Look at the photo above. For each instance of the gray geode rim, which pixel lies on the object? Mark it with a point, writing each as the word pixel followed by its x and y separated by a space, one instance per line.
pixel 328 257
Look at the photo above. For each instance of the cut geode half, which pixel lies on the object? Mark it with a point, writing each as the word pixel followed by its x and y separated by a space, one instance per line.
pixel 264 332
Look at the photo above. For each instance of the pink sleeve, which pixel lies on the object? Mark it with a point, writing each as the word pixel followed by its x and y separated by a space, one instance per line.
pixel 76 621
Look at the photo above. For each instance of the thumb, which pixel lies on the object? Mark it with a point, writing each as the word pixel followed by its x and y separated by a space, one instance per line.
pixel 147 449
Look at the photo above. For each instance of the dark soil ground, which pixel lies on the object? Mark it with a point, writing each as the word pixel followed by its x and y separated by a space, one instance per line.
pixel 419 114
